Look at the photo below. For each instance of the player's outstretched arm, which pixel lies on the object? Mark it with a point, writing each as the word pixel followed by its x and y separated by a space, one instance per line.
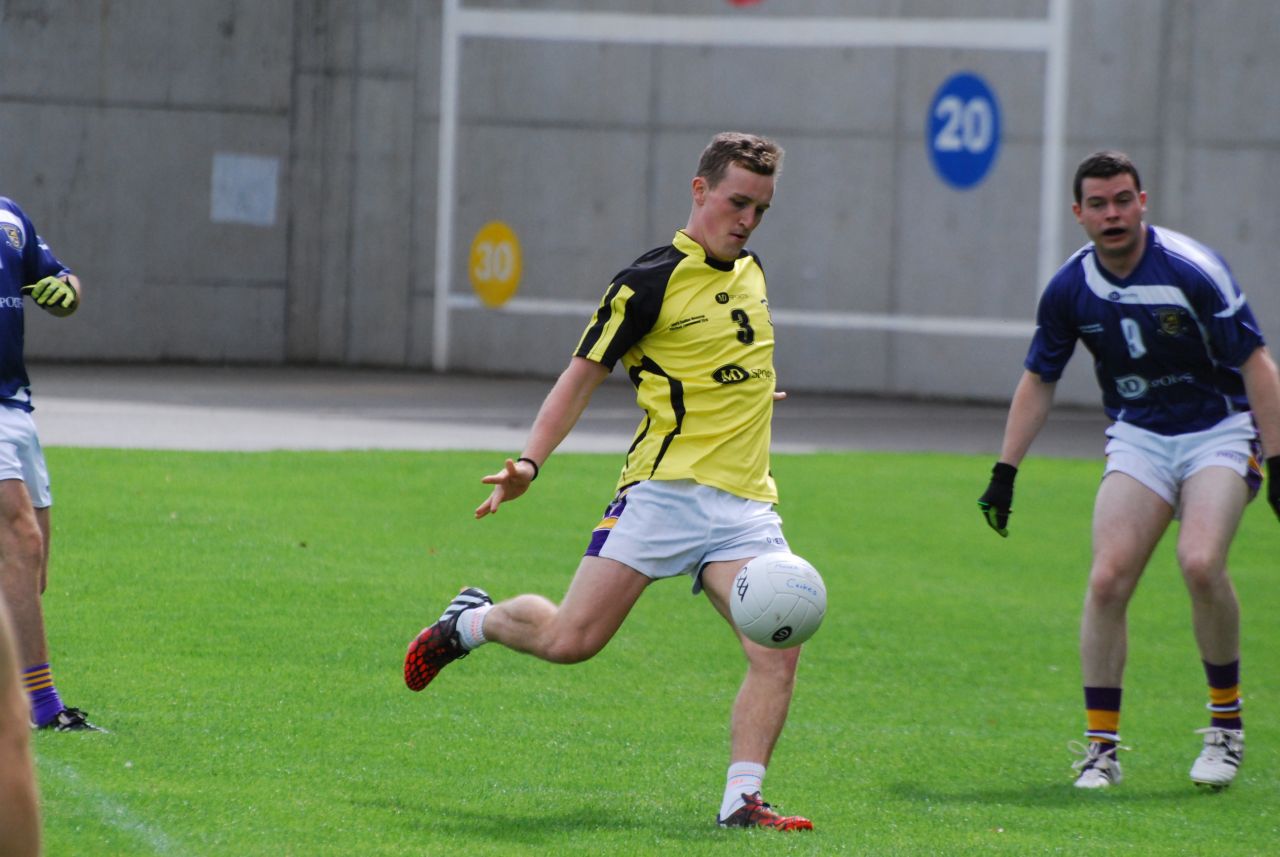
pixel 558 415
pixel 1027 414
pixel 1262 385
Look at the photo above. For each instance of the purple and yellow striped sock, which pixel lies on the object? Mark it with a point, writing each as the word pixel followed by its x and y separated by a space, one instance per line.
pixel 37 681
pixel 1102 715
pixel 1224 695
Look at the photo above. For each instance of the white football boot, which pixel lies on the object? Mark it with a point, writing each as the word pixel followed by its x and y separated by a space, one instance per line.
pixel 1220 758
pixel 1098 769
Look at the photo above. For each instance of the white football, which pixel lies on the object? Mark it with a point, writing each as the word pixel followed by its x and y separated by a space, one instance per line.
pixel 778 600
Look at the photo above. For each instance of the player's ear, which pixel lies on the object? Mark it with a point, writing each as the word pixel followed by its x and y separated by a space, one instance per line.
pixel 699 188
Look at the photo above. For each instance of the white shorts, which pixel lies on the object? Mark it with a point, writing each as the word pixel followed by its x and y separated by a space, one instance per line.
pixel 21 456
pixel 1164 462
pixel 667 528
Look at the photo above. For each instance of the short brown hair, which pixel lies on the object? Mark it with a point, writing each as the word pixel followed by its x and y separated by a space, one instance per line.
pixel 1104 165
pixel 757 154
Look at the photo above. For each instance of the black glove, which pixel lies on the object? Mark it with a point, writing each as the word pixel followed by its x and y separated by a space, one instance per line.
pixel 1273 483
pixel 997 503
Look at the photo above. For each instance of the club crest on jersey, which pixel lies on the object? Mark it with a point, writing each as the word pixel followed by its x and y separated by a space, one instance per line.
pixel 12 234
pixel 1172 321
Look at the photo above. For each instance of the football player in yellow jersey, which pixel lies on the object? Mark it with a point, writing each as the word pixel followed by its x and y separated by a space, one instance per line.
pixel 690 323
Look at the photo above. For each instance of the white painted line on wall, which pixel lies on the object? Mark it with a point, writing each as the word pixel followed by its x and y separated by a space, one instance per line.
pixel 821 319
pixel 562 26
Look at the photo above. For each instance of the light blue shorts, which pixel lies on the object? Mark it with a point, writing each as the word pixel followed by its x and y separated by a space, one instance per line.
pixel 21 456
pixel 668 528
pixel 1164 462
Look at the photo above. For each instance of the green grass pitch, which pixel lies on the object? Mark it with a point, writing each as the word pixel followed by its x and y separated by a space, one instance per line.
pixel 238 621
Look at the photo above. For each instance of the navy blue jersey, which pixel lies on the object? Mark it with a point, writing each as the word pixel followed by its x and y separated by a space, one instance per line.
pixel 24 259
pixel 1167 341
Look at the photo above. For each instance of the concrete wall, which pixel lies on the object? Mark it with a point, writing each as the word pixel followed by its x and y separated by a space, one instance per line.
pixel 586 151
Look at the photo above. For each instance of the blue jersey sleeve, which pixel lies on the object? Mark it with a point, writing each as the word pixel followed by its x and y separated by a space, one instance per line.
pixel 1231 331
pixel 1055 338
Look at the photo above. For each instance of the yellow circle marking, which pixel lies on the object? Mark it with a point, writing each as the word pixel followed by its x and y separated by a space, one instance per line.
pixel 495 263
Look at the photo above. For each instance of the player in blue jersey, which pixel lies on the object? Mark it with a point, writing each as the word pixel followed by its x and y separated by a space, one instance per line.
pixel 28 269
pixel 1195 398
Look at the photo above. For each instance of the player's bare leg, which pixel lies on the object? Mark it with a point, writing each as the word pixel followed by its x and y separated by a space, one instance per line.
pixel 1213 502
pixel 602 593
pixel 759 712
pixel 22 553
pixel 1128 521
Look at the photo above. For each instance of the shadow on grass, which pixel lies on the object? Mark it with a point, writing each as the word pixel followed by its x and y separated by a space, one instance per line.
pixel 1050 795
pixel 548 825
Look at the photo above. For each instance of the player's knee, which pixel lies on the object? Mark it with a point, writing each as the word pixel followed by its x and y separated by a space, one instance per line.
pixel 570 648
pixel 1110 586
pixel 1203 571
pixel 21 546
pixel 778 664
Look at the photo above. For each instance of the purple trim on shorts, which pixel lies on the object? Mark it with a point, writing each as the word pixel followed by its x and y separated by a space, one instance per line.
pixel 601 533
pixel 1253 477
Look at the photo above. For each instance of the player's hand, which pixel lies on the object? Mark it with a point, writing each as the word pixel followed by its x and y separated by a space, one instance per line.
pixel 54 295
pixel 1273 483
pixel 508 483
pixel 778 395
pixel 997 502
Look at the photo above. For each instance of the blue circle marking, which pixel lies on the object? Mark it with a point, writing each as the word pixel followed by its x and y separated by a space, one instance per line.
pixel 963 130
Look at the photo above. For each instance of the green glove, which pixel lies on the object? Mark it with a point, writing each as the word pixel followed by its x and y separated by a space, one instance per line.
pixel 54 295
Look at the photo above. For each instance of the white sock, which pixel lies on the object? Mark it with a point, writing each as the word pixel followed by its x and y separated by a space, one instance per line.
pixel 744 778
pixel 471 626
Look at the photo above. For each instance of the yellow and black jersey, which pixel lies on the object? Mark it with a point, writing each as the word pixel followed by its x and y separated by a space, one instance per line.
pixel 696 339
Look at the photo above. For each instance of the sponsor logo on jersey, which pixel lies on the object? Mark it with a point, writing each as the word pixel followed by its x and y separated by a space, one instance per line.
pixel 730 373
pixel 1131 386
pixel 11 303
pixel 1135 386
pixel 687 322
pixel 722 297
pixel 1170 380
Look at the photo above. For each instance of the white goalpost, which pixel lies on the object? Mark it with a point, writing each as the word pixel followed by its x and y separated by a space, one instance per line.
pixel 1048 36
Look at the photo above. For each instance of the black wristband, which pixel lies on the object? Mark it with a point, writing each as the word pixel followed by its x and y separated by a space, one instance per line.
pixel 1003 473
pixel 532 464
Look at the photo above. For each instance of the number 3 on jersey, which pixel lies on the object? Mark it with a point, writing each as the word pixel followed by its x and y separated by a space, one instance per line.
pixel 746 334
